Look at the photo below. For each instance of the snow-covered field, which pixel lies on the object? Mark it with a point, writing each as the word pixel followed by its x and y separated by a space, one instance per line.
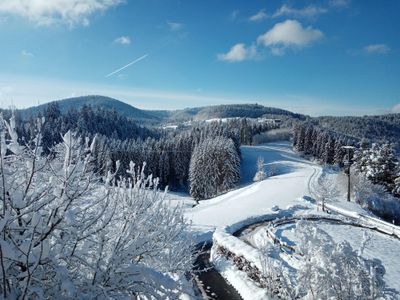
pixel 253 200
pixel 294 179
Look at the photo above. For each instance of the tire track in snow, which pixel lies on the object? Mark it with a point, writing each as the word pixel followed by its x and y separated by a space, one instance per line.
pixel 312 180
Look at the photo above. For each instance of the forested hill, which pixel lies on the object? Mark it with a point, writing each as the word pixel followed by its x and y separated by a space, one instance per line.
pixel 230 111
pixel 94 101
pixel 160 116
pixel 374 128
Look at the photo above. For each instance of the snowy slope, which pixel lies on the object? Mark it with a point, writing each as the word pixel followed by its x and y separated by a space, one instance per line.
pixel 295 178
pixel 255 199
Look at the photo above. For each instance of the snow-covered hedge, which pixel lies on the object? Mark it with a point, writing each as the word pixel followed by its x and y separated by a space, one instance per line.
pixel 368 221
pixel 223 239
pixel 234 258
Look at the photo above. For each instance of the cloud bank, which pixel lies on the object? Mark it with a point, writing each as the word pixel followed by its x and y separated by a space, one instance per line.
pixel 49 12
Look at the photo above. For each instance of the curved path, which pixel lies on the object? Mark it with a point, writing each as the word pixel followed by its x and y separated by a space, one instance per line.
pixel 243 206
pixel 290 182
pixel 294 177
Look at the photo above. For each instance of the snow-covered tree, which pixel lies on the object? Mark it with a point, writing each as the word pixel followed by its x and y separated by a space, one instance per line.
pixel 214 168
pixel 396 186
pixel 375 198
pixel 339 153
pixel 64 234
pixel 260 174
pixel 332 270
pixel 379 164
pixel 327 189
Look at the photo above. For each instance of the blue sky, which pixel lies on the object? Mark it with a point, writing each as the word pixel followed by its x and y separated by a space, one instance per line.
pixel 327 57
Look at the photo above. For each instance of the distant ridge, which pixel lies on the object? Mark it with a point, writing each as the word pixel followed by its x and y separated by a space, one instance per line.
pixel 94 101
pixel 231 111
pixel 158 116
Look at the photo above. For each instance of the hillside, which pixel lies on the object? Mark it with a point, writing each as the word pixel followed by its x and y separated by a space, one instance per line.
pixel 373 128
pixel 229 111
pixel 160 116
pixel 122 108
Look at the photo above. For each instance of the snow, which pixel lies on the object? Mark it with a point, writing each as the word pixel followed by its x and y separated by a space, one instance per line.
pixel 238 247
pixel 380 246
pixel 285 194
pixel 173 127
pixel 351 210
pixel 223 120
pixel 254 200
pixel 239 280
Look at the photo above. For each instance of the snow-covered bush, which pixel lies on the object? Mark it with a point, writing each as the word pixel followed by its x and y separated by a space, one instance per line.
pixel 276 274
pixel 214 168
pixel 65 233
pixel 375 198
pixel 326 188
pixel 330 270
pixel 260 174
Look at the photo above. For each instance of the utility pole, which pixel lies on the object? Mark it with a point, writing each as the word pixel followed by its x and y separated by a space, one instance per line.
pixel 348 164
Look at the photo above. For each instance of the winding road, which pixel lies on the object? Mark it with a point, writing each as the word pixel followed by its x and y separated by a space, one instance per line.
pixel 292 180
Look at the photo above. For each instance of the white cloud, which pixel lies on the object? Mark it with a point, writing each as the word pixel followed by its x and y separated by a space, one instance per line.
pixel 237 53
pixel 174 26
pixel 260 16
pixel 123 40
pixel 27 54
pixel 376 49
pixel 396 109
pixel 289 33
pixel 49 12
pixel 310 11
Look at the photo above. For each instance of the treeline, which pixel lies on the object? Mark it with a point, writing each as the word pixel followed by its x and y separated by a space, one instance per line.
pixel 382 128
pixel 86 121
pixel 377 162
pixel 168 155
pixel 167 158
pixel 242 111
pixel 322 144
pixel 207 149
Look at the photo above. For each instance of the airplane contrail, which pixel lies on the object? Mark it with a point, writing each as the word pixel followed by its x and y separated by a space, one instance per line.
pixel 128 65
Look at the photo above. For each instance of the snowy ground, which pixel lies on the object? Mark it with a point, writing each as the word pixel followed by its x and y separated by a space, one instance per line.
pixel 252 200
pixel 380 246
pixel 294 179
